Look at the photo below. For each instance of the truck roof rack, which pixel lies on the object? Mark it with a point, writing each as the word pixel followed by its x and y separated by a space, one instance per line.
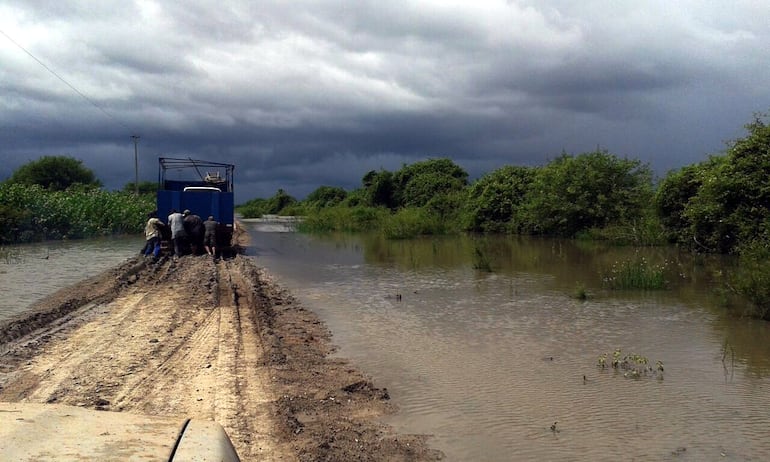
pixel 183 170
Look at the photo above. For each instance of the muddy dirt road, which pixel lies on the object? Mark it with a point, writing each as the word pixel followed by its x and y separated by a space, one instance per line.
pixel 203 339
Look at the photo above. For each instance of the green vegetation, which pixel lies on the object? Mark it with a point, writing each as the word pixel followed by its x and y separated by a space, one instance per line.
pixel 496 198
pixel 57 198
pixel 723 203
pixel 481 260
pixel 751 280
pixel 279 203
pixel 411 222
pixel 635 274
pixel 596 192
pixel 577 193
pixel 715 206
pixel 31 213
pixel 348 219
pixel 632 365
pixel 54 173
pixel 581 292
pixel 145 187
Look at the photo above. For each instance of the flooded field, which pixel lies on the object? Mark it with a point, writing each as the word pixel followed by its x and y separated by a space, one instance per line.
pixel 30 272
pixel 503 365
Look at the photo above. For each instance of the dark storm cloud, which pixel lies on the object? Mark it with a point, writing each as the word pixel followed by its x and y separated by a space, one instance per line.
pixel 307 93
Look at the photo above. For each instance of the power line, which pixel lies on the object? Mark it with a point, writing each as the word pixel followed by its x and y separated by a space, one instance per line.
pixel 104 111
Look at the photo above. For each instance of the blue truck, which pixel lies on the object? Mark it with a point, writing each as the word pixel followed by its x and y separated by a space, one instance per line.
pixel 203 187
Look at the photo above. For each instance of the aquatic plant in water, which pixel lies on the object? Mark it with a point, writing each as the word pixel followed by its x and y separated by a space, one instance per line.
pixel 581 292
pixel 481 259
pixel 633 366
pixel 637 273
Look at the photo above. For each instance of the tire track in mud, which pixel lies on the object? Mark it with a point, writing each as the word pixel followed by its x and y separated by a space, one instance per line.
pixel 240 351
pixel 195 338
pixel 181 342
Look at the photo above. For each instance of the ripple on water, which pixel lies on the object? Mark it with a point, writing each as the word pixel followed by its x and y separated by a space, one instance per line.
pixel 487 363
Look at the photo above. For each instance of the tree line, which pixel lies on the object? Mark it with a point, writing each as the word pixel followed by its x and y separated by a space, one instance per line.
pixel 721 205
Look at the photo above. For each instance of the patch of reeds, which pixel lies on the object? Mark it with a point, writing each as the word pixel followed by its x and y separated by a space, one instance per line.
pixel 31 213
pixel 636 273
pixel 340 218
pixel 410 222
pixel 481 259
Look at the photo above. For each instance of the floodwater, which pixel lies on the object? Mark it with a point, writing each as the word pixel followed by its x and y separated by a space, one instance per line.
pixel 30 272
pixel 488 362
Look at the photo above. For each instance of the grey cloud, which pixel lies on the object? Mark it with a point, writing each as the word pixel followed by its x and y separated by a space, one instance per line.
pixel 318 92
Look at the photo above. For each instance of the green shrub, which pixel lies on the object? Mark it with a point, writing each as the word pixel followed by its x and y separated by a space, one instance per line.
pixel 751 280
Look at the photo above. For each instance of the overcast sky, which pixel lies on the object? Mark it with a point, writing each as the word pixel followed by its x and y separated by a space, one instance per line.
pixel 299 94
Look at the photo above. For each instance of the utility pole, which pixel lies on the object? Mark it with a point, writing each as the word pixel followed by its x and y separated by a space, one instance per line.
pixel 136 164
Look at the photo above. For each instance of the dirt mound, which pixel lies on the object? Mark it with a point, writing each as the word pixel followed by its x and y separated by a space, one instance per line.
pixel 198 338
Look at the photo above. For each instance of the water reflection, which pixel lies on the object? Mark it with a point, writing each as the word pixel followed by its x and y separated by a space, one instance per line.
pixel 487 361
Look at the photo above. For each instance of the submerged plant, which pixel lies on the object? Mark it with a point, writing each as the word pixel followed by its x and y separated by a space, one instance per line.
pixel 632 365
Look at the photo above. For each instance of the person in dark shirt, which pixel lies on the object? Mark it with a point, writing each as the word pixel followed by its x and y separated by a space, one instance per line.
pixel 193 226
pixel 210 236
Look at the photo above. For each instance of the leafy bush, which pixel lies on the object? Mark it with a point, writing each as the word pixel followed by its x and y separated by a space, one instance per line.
pixel 673 196
pixel 494 199
pixel 254 208
pixel 592 190
pixel 723 203
pixel 751 280
pixel 732 205
pixel 416 184
pixel 326 196
pixel 55 173
pixel 279 204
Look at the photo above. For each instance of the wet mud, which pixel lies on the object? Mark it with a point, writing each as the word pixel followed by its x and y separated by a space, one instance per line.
pixel 206 339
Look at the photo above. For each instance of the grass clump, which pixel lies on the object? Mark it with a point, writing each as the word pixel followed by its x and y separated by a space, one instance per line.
pixel 580 292
pixel 410 222
pixel 637 273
